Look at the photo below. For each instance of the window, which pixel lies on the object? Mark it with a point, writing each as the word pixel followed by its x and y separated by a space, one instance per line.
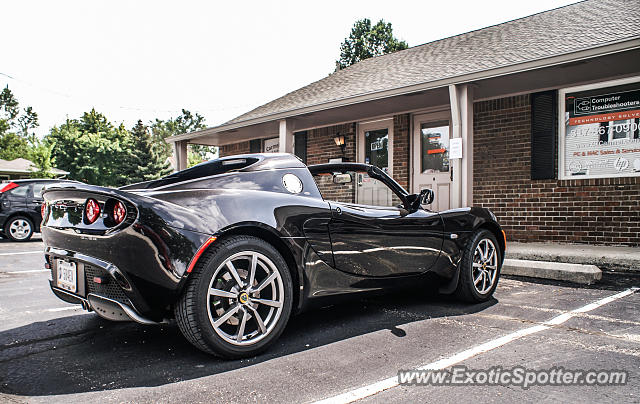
pixel 37 189
pixel 434 147
pixel 20 191
pixel 255 146
pixel 300 145
pixel 376 148
pixel 599 130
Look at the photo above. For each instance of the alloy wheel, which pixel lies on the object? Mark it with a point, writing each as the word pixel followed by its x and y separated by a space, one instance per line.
pixel 245 298
pixel 20 229
pixel 485 266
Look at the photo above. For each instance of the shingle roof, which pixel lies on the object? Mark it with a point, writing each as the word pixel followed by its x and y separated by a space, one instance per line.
pixel 568 29
pixel 21 165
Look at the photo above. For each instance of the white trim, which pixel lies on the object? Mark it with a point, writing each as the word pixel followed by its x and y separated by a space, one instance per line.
pixel 610 48
pixel 541 89
pixel 374 121
pixel 562 128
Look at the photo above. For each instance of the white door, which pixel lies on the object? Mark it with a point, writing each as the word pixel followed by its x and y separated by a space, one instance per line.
pixel 431 168
pixel 375 141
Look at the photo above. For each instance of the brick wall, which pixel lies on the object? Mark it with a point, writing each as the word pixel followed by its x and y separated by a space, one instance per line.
pixel 321 147
pixel 401 149
pixel 594 211
pixel 235 148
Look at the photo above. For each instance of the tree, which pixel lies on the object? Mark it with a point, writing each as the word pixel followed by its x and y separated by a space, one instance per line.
pixel 146 160
pixel 91 149
pixel 13 146
pixel 40 156
pixel 17 139
pixel 366 41
pixel 9 108
pixel 185 123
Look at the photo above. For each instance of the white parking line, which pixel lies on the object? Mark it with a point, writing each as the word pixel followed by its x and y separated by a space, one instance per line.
pixel 391 382
pixel 64 308
pixel 23 252
pixel 27 271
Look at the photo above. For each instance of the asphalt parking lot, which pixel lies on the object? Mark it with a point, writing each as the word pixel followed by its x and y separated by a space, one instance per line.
pixel 51 351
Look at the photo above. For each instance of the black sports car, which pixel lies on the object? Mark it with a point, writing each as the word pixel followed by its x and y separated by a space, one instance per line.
pixel 234 246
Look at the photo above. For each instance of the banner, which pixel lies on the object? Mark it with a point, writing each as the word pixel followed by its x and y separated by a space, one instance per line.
pixel 602 132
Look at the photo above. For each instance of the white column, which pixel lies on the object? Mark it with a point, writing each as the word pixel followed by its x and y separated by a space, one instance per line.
pixel 180 154
pixel 286 136
pixel 466 118
pixel 461 97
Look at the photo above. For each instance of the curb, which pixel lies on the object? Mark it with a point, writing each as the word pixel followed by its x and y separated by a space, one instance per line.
pixel 607 258
pixel 575 273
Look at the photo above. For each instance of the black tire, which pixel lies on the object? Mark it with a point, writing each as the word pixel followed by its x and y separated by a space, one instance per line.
pixel 192 310
pixel 467 291
pixel 24 224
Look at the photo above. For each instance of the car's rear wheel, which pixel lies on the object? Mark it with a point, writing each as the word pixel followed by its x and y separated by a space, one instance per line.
pixel 19 228
pixel 238 298
pixel 479 268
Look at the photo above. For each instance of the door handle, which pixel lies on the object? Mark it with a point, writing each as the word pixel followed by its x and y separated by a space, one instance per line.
pixel 451 174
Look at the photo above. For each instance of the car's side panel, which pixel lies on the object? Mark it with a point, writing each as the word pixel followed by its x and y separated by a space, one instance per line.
pixel 384 241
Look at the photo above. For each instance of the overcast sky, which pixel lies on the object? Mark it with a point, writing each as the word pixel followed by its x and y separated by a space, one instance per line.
pixel 146 59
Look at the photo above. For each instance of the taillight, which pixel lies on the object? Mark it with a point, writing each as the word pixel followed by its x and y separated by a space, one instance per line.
pixel 9 187
pixel 43 210
pixel 91 210
pixel 119 212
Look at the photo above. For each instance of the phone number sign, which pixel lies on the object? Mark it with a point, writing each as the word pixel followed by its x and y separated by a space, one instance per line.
pixel 602 133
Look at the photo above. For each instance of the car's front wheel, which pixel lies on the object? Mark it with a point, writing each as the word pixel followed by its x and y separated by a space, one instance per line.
pixel 19 228
pixel 238 298
pixel 479 268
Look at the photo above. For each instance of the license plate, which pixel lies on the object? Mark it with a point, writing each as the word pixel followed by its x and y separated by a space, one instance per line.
pixel 67 275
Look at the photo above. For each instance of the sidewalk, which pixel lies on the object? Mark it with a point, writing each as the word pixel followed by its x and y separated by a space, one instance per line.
pixel 608 258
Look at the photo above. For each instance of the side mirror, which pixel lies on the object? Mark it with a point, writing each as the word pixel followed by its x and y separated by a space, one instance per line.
pixel 427 196
pixel 342 178
pixel 414 201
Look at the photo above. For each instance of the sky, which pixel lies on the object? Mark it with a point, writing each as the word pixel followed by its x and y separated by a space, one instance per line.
pixel 135 60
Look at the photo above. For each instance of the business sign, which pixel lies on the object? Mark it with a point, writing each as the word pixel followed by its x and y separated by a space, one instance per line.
pixel 601 132
pixel 271 145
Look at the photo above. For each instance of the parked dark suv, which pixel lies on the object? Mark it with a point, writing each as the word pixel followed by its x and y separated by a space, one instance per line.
pixel 20 203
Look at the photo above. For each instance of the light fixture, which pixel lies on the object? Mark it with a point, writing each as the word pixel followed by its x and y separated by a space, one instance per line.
pixel 339 139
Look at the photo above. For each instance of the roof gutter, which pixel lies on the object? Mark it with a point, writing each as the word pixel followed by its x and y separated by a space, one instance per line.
pixel 614 47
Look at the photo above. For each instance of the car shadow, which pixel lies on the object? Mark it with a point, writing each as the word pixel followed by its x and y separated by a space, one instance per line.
pixel 84 353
